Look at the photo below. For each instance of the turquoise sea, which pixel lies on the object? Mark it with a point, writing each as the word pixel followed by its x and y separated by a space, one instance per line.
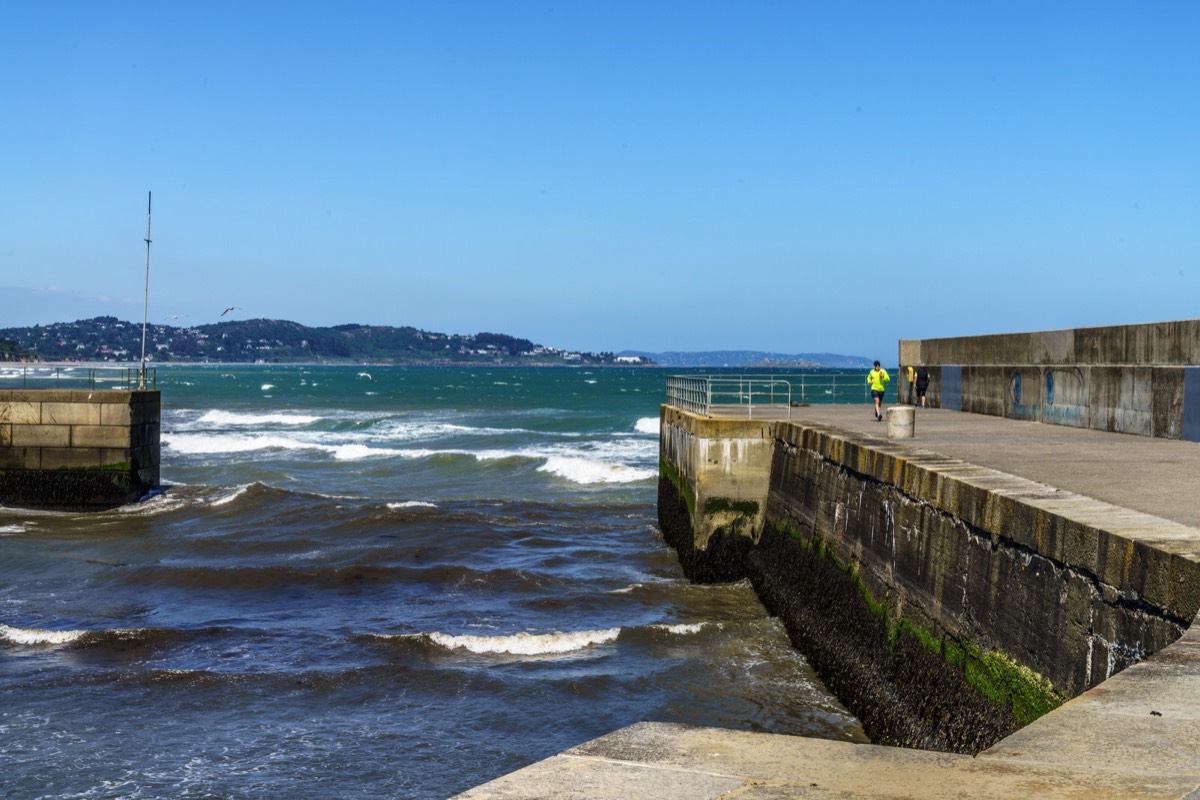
pixel 367 582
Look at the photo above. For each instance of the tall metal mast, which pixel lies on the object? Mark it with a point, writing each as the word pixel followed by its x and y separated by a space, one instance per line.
pixel 145 298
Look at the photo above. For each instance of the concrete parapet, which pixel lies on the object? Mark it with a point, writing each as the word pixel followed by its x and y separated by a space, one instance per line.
pixel 1174 343
pixel 78 449
pixel 1138 379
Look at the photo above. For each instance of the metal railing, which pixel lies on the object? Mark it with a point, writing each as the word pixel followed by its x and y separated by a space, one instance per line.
pixel 57 376
pixel 708 394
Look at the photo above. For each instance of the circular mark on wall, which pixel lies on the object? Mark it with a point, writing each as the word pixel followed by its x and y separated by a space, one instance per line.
pixel 1016 388
pixel 1050 388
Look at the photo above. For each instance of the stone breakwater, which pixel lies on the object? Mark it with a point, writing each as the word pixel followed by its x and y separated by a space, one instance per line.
pixel 78 450
pixel 947 604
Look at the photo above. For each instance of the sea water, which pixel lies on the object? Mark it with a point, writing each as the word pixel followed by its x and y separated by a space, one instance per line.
pixel 367 582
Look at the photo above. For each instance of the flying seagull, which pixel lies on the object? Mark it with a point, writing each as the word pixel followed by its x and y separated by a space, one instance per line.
pixel 226 311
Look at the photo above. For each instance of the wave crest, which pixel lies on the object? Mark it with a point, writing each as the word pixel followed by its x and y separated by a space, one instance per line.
pixel 526 644
pixel 647 425
pixel 590 471
pixel 35 636
pixel 233 418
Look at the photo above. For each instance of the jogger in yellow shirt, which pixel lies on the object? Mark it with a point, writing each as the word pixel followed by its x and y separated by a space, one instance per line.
pixel 877 379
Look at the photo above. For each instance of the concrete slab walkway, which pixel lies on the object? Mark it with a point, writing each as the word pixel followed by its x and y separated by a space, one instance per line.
pixel 1155 476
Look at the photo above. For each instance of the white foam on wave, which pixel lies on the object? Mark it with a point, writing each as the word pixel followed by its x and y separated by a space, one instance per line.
pixel 410 429
pixel 233 418
pixel 231 496
pixel 216 443
pixel 412 504
pixel 527 644
pixel 357 452
pixel 36 636
pixel 8 530
pixel 591 471
pixel 266 387
pixel 221 444
pixel 647 425
pixel 158 504
pixel 683 629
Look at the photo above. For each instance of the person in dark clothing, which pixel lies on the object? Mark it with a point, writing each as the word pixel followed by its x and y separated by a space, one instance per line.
pixel 922 385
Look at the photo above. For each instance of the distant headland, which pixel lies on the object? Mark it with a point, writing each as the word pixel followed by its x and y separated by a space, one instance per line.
pixel 271 341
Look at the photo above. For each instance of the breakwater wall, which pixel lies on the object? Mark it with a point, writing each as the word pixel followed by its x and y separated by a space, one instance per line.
pixel 1138 379
pixel 945 604
pixel 78 450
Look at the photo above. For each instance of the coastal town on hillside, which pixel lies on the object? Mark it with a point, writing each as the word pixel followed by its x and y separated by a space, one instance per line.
pixel 104 339
pixel 109 339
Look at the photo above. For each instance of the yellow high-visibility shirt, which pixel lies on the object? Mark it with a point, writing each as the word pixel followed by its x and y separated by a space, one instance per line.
pixel 877 378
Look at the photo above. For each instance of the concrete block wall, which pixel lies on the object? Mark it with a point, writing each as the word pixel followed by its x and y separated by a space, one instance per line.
pixel 1070 588
pixel 723 464
pixel 1137 379
pixel 78 449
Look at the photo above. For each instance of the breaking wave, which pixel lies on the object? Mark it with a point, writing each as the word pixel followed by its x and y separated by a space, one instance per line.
pixel 590 471
pixel 647 425
pixel 531 644
pixel 232 418
pixel 81 638
pixel 527 644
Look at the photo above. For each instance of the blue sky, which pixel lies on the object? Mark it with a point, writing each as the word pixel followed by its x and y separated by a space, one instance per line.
pixel 785 176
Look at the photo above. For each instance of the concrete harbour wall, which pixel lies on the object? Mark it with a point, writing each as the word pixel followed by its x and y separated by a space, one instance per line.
pixel 1138 379
pixel 78 449
pixel 716 472
pixel 945 604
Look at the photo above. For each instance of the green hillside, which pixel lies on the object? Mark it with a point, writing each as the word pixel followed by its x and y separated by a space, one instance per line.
pixel 280 341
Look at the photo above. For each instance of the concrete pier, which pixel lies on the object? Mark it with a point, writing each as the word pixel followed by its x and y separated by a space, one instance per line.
pixel 77 450
pixel 1071 555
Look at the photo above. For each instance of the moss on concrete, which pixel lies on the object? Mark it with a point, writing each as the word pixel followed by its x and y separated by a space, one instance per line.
pixel 739 516
pixel 124 466
pixel 747 508
pixel 668 471
pixel 1025 693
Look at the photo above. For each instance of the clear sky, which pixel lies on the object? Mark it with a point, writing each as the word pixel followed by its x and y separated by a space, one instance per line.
pixel 607 175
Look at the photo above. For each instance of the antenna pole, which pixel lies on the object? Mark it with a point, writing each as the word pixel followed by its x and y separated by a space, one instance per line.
pixel 145 298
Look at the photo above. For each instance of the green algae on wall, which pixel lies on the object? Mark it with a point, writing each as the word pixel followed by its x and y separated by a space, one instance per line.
pixel 731 517
pixel 668 471
pixel 1022 691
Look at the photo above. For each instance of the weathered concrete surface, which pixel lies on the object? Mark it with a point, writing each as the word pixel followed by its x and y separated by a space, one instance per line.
pixel 1137 379
pixel 1069 586
pixel 1156 343
pixel 1144 721
pixel 655 760
pixel 719 468
pixel 78 450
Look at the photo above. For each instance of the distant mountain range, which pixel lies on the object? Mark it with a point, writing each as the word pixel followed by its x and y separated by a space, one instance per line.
pixel 751 358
